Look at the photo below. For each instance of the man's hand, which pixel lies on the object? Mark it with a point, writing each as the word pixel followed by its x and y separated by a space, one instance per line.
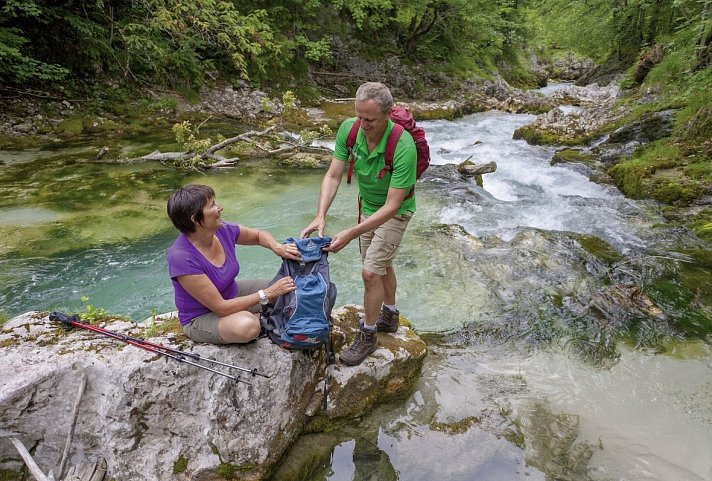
pixel 316 225
pixel 339 241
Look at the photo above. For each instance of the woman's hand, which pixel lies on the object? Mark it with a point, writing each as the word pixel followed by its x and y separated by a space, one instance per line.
pixel 281 287
pixel 288 251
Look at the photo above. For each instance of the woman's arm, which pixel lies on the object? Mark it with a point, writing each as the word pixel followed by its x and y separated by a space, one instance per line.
pixel 204 291
pixel 250 237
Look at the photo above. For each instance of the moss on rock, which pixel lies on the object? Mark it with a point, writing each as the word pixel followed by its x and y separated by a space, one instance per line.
pixel 536 136
pixel 388 374
pixel 70 127
pixel 567 156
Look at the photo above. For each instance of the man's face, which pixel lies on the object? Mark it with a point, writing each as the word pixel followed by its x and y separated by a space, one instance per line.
pixel 373 120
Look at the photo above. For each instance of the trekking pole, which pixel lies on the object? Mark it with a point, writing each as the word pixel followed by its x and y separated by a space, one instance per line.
pixel 197 357
pixel 179 356
pixel 128 340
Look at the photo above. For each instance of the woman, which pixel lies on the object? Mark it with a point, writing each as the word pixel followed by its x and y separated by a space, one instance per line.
pixel 202 264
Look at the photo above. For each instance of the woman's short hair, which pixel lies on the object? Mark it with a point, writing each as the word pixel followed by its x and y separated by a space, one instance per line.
pixel 185 206
pixel 375 91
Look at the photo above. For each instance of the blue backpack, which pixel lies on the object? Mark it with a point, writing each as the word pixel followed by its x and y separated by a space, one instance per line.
pixel 301 319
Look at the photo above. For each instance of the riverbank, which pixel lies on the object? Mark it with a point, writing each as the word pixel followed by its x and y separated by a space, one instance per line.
pixel 601 133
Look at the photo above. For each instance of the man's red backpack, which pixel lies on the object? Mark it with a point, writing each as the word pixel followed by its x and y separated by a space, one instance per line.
pixel 403 120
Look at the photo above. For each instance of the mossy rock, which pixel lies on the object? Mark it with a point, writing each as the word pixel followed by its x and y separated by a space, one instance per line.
pixel 599 248
pixel 386 375
pixel 535 136
pixel 664 179
pixel 699 127
pixel 437 114
pixel 675 192
pixel 568 156
pixel 702 225
pixel 70 127
pixel 99 125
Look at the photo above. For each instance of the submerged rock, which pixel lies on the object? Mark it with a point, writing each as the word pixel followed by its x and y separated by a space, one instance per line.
pixel 152 418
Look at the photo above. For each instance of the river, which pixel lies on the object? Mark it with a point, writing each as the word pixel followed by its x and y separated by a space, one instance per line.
pixel 507 292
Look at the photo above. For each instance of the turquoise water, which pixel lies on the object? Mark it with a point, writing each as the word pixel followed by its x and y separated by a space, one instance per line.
pixel 510 286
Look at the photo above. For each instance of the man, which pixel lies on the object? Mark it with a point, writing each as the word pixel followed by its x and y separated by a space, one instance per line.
pixel 385 210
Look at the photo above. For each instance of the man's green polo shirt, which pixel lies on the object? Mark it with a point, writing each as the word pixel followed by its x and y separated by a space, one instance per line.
pixel 373 190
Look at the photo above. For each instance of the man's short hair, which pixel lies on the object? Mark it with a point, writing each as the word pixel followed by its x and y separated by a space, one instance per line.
pixel 185 206
pixel 375 91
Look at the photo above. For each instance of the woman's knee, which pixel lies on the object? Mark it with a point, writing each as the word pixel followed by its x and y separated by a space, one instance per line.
pixel 239 327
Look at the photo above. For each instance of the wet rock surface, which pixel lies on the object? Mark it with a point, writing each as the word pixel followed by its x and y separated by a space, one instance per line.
pixel 139 407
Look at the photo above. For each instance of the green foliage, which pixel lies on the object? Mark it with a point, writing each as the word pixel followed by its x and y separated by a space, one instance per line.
pixel 226 470
pixel 191 144
pixel 90 313
pixel 180 465
pixel 632 175
pixel 182 44
pixel 316 51
pixel 702 225
pixel 175 43
pixel 4 317
pixel 367 15
pixel 160 327
pixel 181 41
pixel 17 67
pixel 601 29
pixel 580 27
pixel 659 171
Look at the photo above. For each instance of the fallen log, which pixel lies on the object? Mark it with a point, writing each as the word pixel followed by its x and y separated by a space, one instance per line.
pixel 211 160
pixel 470 169
pixel 29 461
pixel 95 471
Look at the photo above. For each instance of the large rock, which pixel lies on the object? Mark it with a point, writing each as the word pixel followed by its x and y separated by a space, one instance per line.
pixel 153 418
pixel 575 126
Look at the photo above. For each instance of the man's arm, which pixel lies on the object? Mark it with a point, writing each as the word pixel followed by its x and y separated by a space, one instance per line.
pixel 387 211
pixel 329 188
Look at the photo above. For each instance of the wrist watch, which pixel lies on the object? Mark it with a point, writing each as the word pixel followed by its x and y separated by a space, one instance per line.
pixel 264 300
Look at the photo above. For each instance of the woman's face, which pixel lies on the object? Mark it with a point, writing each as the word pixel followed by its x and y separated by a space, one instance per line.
pixel 211 215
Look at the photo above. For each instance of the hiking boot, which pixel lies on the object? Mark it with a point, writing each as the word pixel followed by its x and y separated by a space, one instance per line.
pixel 365 343
pixel 387 320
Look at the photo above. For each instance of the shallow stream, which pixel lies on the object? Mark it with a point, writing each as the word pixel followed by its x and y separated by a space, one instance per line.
pixel 532 373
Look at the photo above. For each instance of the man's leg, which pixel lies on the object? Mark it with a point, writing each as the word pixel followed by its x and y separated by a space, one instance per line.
pixel 372 296
pixel 390 284
pixel 389 315
pixel 378 249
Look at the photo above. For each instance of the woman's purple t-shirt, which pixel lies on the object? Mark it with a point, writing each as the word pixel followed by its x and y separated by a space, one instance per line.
pixel 185 259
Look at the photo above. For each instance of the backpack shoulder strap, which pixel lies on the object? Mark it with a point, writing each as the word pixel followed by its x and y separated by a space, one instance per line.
pixel 391 144
pixel 350 142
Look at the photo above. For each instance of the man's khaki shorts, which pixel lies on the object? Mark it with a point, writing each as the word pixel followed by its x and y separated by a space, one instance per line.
pixel 205 328
pixel 379 246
